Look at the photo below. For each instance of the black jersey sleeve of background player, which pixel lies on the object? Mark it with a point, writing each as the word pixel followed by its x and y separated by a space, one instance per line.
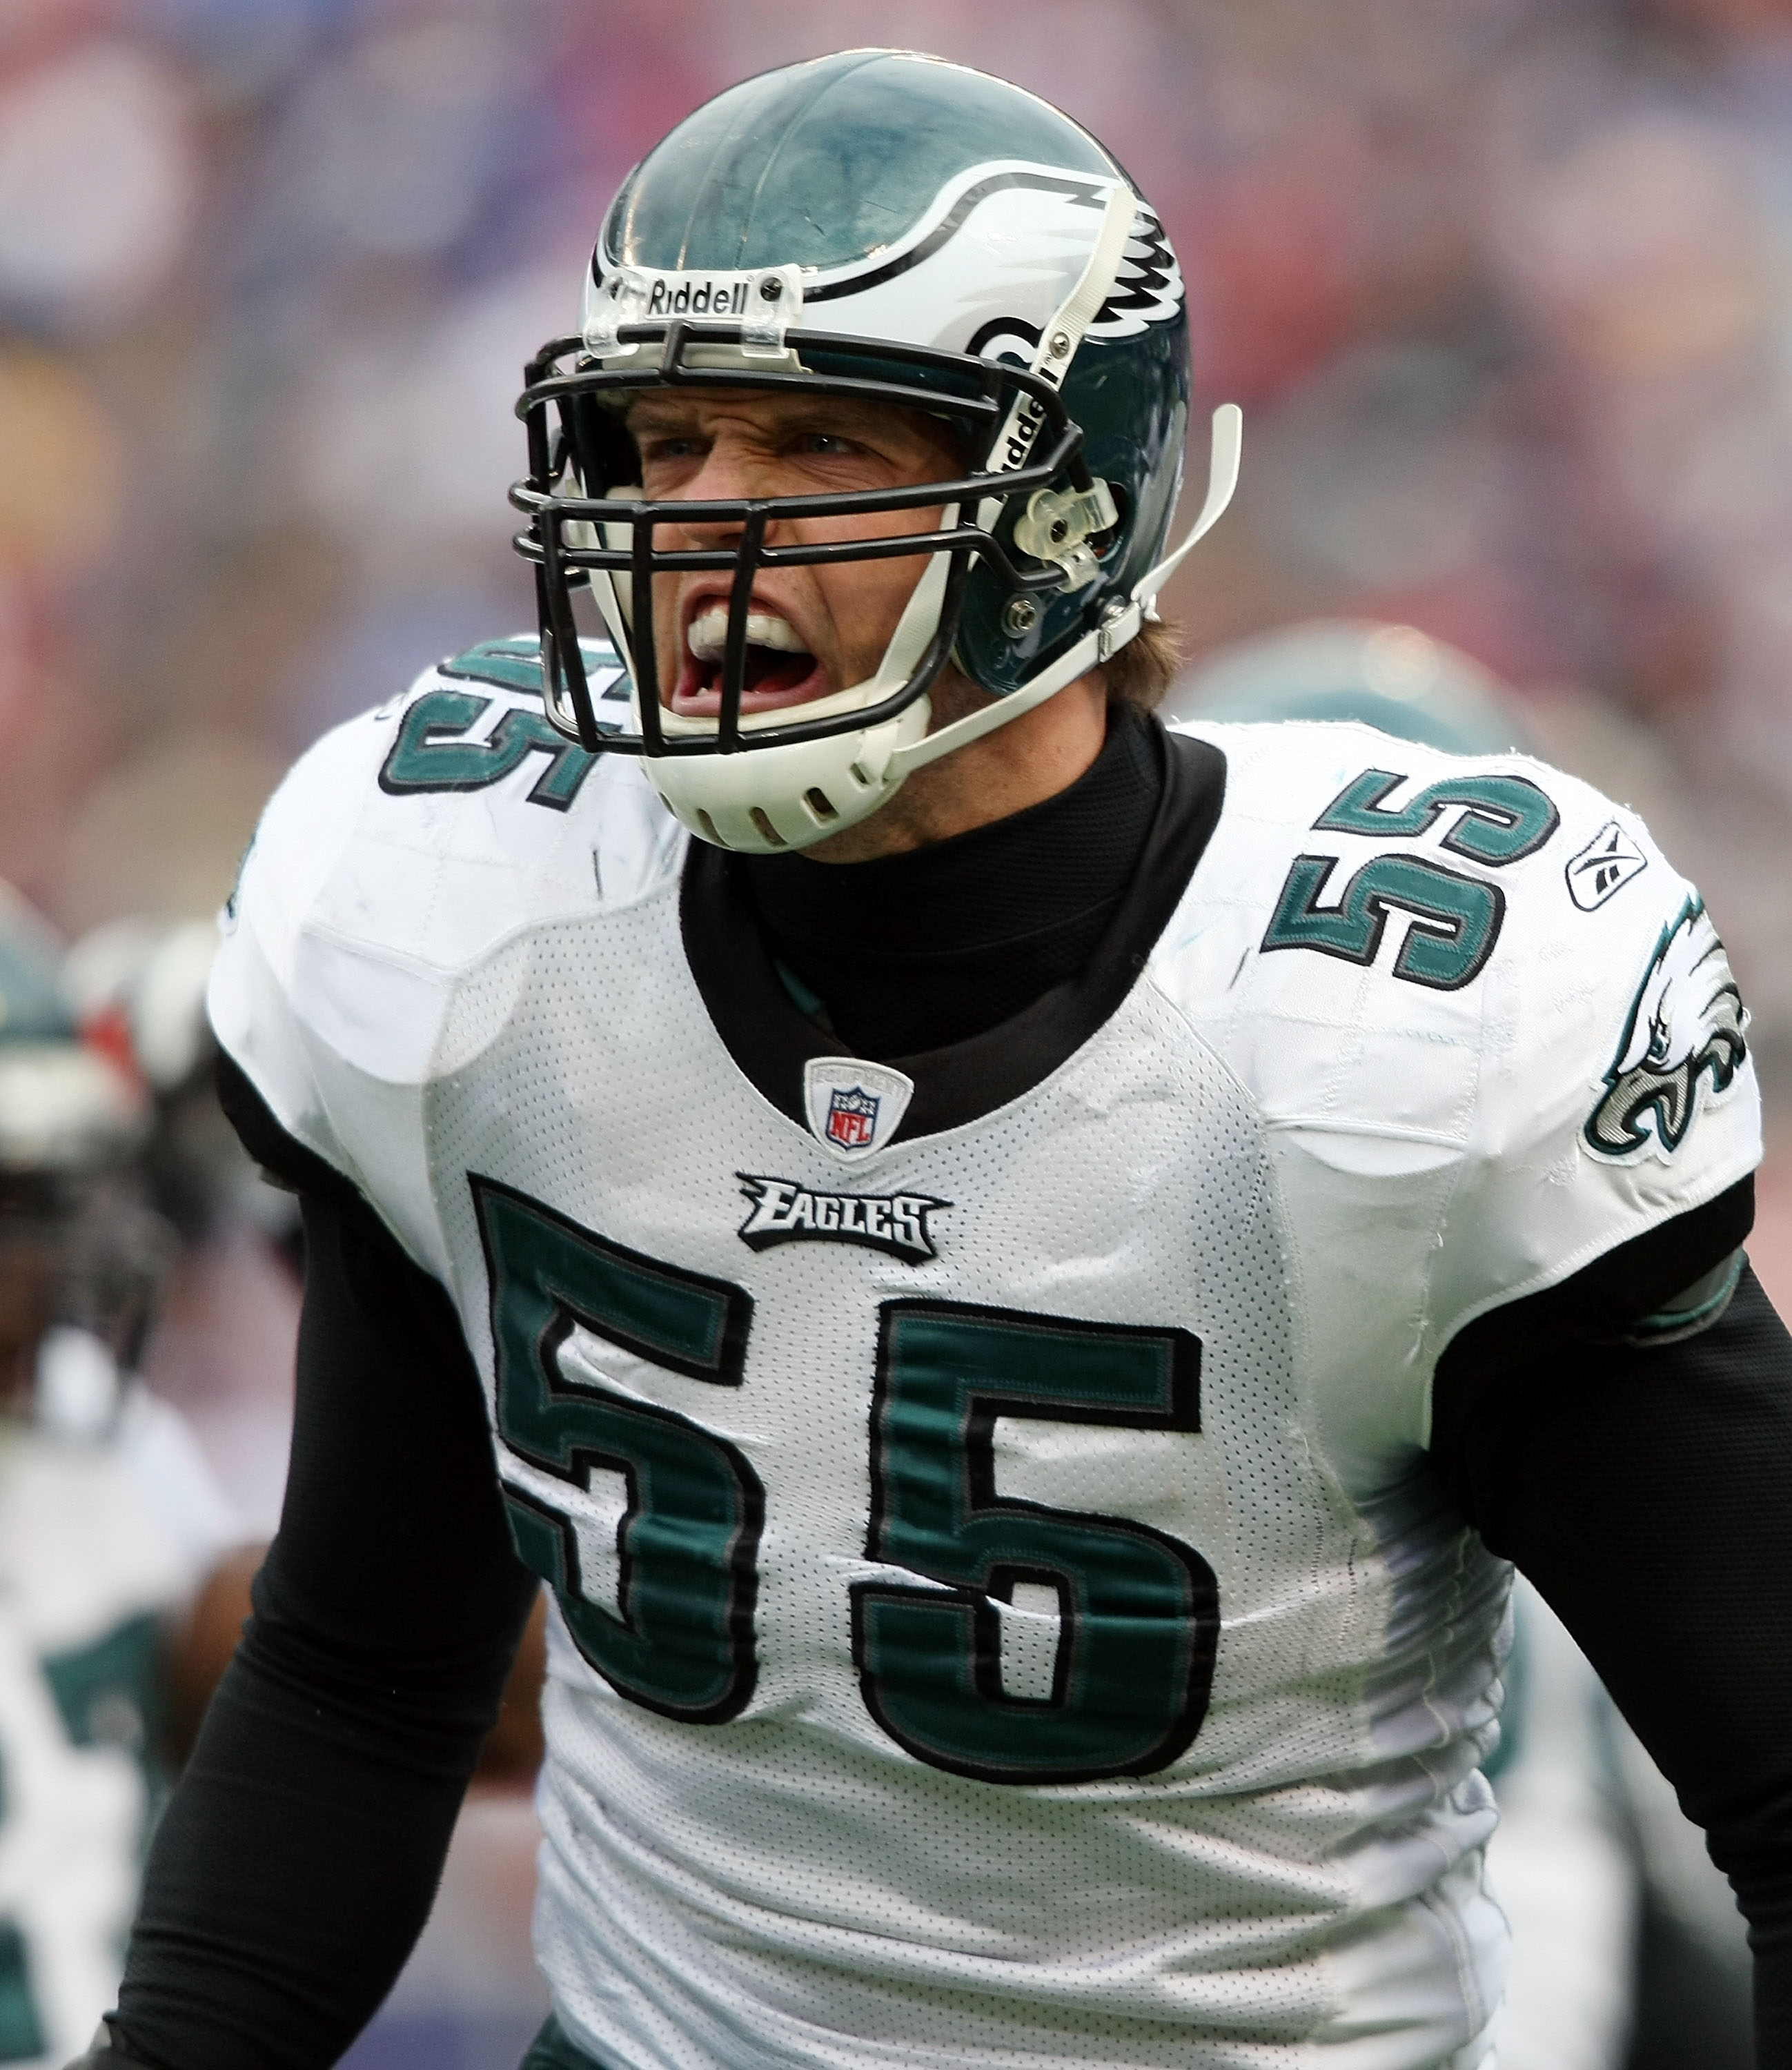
pixel 1647 1492
pixel 296 1861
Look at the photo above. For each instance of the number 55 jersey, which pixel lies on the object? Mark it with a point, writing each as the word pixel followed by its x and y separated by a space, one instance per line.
pixel 1005 1612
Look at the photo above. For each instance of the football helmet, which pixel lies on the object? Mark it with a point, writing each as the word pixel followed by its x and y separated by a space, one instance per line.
pixel 81 1257
pixel 887 226
pixel 137 987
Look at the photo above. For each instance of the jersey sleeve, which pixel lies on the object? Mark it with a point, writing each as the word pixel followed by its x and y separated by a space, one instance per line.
pixel 254 995
pixel 1617 1090
pixel 1491 1031
pixel 407 855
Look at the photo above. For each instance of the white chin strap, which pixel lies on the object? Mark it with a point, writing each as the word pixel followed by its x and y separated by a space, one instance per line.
pixel 789 797
pixel 1122 623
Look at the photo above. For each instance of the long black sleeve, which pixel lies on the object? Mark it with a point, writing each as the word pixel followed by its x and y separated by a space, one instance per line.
pixel 296 1862
pixel 1647 1492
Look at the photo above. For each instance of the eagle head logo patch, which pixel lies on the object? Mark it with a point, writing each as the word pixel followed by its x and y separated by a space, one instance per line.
pixel 1686 1031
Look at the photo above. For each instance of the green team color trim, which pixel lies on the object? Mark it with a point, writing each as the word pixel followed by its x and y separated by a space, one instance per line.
pixel 433 753
pixel 554 2049
pixel 516 665
pixel 110 1692
pixel 22 2036
pixel 1455 920
pixel 689 1541
pixel 1139 1611
pixel 1503 817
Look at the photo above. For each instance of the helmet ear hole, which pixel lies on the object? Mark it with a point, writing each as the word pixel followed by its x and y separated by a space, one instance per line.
pixel 820 804
pixel 859 777
pixel 768 833
pixel 710 833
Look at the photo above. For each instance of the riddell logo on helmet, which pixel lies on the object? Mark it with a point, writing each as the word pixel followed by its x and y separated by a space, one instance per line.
pixel 1028 418
pixel 699 298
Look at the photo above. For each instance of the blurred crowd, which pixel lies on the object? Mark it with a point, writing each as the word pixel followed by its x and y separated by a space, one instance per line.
pixel 1504 286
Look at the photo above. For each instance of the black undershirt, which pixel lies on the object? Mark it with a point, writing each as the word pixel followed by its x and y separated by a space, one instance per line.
pixel 1644 1490
pixel 913 952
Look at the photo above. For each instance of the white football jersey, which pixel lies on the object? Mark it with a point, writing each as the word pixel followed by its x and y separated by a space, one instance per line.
pixel 1006 1617
pixel 106 1529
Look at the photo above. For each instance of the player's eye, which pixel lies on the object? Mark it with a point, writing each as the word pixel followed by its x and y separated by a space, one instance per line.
pixel 670 446
pixel 827 443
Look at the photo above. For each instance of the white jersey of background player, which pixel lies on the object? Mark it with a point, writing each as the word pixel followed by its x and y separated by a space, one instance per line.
pixel 109 1518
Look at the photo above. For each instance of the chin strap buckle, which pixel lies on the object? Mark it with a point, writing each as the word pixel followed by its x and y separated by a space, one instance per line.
pixel 1119 623
pixel 1057 524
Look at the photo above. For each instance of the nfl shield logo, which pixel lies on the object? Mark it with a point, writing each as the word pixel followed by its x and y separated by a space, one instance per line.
pixel 853 1106
pixel 852 1118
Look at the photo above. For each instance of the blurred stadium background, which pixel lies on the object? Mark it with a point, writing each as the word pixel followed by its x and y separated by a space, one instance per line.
pixel 1504 287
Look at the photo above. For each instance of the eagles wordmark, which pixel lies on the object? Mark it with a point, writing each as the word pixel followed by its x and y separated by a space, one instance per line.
pixel 784 1212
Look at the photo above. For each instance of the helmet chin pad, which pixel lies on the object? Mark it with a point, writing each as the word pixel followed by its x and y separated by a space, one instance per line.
pixel 761 800
pixel 780 799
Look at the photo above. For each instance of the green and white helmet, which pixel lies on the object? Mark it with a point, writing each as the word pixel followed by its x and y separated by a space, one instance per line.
pixel 81 1259
pixel 66 1109
pixel 886 226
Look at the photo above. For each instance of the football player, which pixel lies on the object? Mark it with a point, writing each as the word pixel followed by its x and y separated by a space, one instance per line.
pixel 1022 1275
pixel 110 1520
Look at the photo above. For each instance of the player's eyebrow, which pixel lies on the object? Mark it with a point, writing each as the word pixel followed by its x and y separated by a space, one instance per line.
pixel 656 412
pixel 843 417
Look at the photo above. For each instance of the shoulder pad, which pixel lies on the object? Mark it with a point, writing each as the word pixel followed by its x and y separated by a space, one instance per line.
pixel 1490 1027
pixel 402 851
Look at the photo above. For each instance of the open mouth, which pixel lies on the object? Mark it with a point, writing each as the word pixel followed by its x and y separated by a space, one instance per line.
pixel 780 670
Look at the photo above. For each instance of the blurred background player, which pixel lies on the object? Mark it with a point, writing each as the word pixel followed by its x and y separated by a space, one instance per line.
pixel 1628 1952
pixel 111 1523
pixel 135 985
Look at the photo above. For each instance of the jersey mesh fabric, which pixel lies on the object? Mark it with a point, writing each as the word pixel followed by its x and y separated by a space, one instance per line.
pixel 1320 1171
pixel 795 1887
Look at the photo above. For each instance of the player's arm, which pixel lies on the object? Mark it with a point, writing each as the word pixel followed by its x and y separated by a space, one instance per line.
pixel 298 1857
pixel 1625 1439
